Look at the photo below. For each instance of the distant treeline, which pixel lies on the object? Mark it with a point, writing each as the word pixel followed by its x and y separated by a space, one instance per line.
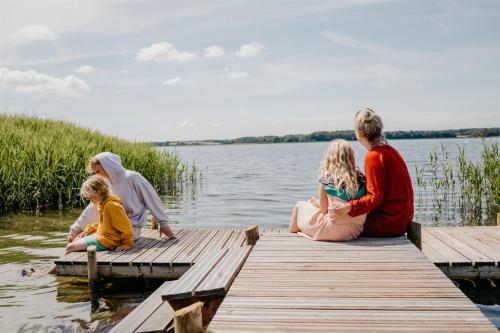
pixel 346 135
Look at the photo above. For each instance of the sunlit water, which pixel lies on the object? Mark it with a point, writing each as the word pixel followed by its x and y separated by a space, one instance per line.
pixel 242 185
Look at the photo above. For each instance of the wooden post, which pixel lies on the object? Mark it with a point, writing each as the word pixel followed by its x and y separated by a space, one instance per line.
pixel 252 235
pixel 414 234
pixel 92 266
pixel 498 219
pixel 188 319
pixel 154 223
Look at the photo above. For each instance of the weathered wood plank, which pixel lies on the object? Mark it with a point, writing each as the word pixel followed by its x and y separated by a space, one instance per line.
pixel 220 278
pixel 184 287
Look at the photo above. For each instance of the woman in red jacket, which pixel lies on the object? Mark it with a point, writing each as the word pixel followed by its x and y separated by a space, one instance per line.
pixel 389 197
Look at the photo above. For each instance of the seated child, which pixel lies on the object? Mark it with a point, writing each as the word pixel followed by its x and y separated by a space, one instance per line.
pixel 113 231
pixel 339 181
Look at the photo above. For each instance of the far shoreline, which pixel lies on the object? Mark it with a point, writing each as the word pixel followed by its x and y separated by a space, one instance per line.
pixel 325 136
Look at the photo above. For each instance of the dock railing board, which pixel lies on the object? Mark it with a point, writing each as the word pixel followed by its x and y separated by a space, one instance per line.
pixel 291 284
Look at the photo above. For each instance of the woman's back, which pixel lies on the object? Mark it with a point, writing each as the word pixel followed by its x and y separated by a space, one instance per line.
pixel 390 194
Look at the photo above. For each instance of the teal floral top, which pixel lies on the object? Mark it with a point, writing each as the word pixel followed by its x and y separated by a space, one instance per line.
pixel 341 193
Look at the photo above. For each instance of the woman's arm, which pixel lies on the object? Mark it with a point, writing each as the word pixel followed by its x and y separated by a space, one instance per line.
pixel 323 199
pixel 89 215
pixel 375 185
pixel 153 202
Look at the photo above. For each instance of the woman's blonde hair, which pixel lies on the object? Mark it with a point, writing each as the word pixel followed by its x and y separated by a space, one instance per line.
pixel 90 164
pixel 95 184
pixel 370 125
pixel 338 167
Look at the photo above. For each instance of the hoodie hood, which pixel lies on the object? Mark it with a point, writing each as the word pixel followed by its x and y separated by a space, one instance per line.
pixel 112 164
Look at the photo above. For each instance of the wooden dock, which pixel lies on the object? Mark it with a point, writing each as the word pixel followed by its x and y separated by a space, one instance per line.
pixel 290 284
pixel 464 252
pixel 152 256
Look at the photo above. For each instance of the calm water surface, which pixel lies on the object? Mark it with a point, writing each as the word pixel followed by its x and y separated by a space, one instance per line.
pixel 242 185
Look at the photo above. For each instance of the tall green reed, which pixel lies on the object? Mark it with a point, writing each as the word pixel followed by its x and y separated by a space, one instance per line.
pixel 477 183
pixel 42 163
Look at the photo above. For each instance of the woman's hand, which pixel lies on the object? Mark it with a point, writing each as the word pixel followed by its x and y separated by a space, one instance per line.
pixel 167 232
pixel 339 209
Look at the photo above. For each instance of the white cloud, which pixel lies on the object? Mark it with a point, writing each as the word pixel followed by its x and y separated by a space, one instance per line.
pixel 237 75
pixel 161 52
pixel 185 124
pixel 40 84
pixel 250 50
pixel 214 51
pixel 36 32
pixel 86 69
pixel 175 81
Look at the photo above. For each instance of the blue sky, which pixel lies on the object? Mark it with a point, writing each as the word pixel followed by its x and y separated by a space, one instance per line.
pixel 181 70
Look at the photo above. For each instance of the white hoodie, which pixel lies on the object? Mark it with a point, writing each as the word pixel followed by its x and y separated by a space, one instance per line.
pixel 135 191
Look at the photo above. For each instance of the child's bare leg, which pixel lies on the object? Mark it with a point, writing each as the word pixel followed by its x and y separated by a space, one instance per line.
pixel 293 220
pixel 77 245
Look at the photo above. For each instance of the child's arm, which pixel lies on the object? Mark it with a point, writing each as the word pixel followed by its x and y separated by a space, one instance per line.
pixel 323 199
pixel 120 221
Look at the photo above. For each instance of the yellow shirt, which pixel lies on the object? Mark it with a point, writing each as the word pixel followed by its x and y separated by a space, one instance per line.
pixel 114 228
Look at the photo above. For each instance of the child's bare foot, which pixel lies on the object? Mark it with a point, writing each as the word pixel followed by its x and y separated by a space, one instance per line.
pixel 53 270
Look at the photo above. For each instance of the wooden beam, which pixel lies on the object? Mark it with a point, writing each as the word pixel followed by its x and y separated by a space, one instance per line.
pixel 92 267
pixel 154 223
pixel 252 235
pixel 414 234
pixel 189 319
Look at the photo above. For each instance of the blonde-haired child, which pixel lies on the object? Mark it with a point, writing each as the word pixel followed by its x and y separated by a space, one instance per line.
pixel 339 182
pixel 113 231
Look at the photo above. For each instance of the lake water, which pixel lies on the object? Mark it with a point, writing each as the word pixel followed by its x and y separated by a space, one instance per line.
pixel 242 185
pixel 260 184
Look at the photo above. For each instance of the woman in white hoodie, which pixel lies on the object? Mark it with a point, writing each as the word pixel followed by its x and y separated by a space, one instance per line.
pixel 135 191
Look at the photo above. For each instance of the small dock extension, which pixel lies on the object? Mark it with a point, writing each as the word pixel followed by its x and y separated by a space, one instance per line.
pixel 464 252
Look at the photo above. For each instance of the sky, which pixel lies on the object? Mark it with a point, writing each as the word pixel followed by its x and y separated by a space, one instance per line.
pixel 191 70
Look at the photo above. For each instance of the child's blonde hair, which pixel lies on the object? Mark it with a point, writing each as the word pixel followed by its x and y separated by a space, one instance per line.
pixel 95 184
pixel 338 167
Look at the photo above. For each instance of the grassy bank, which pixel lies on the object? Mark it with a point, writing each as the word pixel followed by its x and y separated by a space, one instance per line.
pixel 42 163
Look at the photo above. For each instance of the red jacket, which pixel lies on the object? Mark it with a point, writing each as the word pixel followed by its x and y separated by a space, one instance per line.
pixel 389 197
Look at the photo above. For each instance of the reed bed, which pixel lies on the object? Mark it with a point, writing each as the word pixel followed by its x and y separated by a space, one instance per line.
pixel 472 188
pixel 43 163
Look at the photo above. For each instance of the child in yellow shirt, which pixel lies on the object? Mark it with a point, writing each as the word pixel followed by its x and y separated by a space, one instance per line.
pixel 113 231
